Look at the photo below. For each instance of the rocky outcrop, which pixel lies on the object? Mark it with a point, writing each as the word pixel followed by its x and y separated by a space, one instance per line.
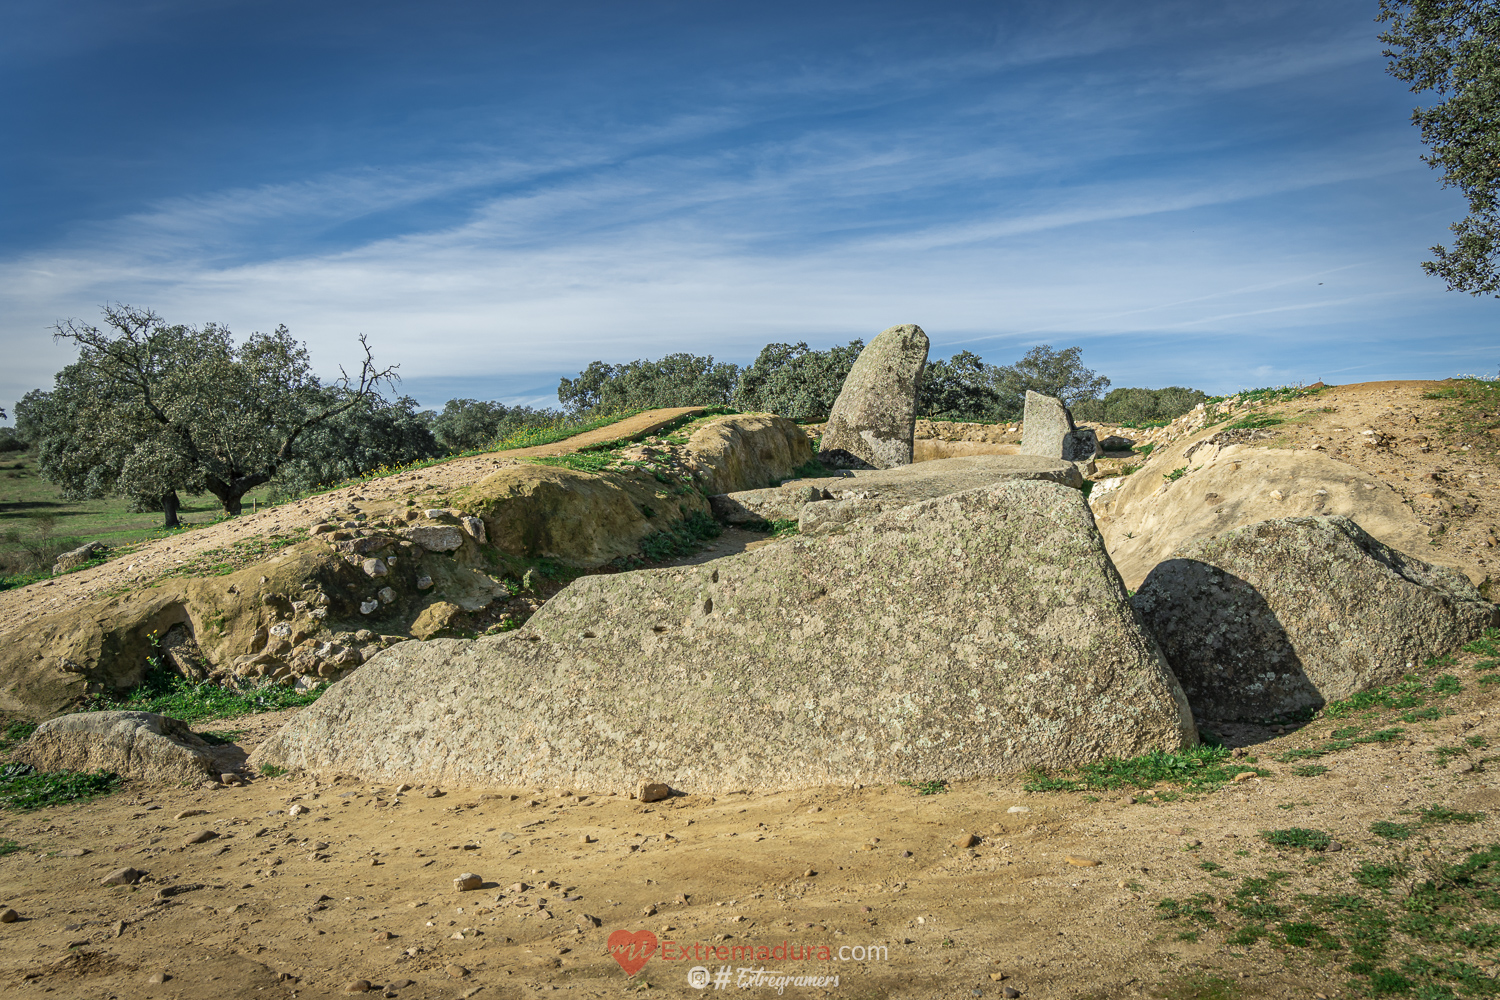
pixel 975 634
pixel 585 519
pixel 824 501
pixel 872 421
pixel 151 748
pixel 1292 613
pixel 746 451
pixel 74 558
pixel 1197 488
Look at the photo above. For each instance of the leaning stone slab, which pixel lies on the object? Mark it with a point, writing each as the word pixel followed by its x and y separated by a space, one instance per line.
pixel 1292 613
pixel 1048 430
pixel 824 501
pixel 976 634
pixel 152 748
pixel 872 422
pixel 73 558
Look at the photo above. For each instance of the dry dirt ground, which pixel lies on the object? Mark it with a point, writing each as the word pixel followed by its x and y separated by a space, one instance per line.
pixel 359 886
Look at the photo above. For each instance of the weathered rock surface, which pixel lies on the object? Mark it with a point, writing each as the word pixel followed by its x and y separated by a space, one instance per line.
pixel 872 421
pixel 974 634
pixel 1291 613
pixel 141 745
pixel 1048 430
pixel 827 500
pixel 582 518
pixel 747 451
pixel 74 558
pixel 1227 481
pixel 434 618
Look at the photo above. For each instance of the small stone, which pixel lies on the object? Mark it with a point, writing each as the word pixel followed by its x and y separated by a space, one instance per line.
pixel 1019 809
pixel 157 978
pixel 652 791
pixel 809 873
pixel 1010 993
pixel 297 810
pixel 456 971
pixel 368 607
pixel 191 812
pixel 649 910
pixel 967 840
pixel 587 839
pixel 816 809
pixel 467 881
pixel 75 852
pixel 357 986
pixel 201 837
pixel 230 778
pixel 1243 776
pixel 386 595
pixel 9 916
pixel 123 876
pixel 1081 862
pixel 1334 845
pixel 383 935
pixel 1175 831
pixel 434 793
pixel 424 582
pixel 400 984
pixel 906 854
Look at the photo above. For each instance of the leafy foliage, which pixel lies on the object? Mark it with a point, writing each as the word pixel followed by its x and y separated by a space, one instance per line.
pixel 1452 48
pixel 149 409
pixel 1139 406
pixel 472 424
pixel 167 692
pixel 795 381
pixel 675 380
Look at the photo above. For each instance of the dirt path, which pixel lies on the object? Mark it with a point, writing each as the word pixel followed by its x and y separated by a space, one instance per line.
pixel 154 559
pixel 361 885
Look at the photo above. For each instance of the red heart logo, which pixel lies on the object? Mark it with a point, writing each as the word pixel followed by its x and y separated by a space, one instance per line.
pixel 632 951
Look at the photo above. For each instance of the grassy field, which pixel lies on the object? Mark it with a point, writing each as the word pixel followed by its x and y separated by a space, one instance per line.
pixel 36 523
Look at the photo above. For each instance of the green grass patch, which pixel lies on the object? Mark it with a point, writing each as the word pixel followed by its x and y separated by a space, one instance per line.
pixel 926 787
pixel 1254 422
pixel 1197 909
pixel 23 788
pixel 8 847
pixel 1309 770
pixel 559 430
pixel 271 770
pixel 578 461
pixel 1199 769
pixel 14 733
pixel 168 693
pixel 1175 474
pixel 1487 644
pixel 1298 837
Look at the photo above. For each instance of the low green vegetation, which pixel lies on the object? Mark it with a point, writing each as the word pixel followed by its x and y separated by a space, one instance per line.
pixel 1203 768
pixel 1175 474
pixel 1298 837
pixel 24 788
pixel 166 692
pixel 1254 421
pixel 925 787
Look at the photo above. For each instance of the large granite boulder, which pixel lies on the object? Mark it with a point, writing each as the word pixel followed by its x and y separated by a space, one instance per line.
pixel 822 501
pixel 152 748
pixel 873 420
pixel 976 634
pixel 1292 613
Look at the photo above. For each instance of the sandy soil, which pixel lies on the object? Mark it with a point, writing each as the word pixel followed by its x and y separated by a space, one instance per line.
pixel 360 886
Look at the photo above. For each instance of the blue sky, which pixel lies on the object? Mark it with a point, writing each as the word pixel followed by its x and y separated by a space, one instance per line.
pixel 1219 195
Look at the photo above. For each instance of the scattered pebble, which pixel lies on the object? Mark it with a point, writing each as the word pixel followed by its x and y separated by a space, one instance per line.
pixel 467 881
pixel 157 977
pixel 357 986
pixel 191 812
pixel 967 840
pixel 653 791
pixel 1019 809
pixel 123 876
pixel 1081 862
pixel 456 971
pixel 586 839
pixel 9 916
pixel 201 837
pixel 297 810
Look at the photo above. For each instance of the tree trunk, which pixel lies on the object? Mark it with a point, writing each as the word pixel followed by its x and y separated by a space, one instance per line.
pixel 169 505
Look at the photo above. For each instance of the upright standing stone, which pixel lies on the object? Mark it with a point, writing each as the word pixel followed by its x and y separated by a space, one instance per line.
pixel 1048 430
pixel 875 416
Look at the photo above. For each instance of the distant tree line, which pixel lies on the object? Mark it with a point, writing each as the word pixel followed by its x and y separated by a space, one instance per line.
pixel 795 381
pixel 152 410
